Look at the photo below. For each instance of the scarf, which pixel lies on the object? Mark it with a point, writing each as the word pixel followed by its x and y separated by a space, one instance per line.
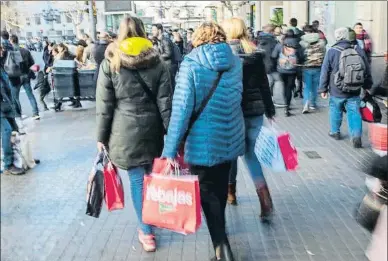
pixel 367 41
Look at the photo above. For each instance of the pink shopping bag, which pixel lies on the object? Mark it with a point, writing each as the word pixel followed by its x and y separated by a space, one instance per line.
pixel 288 150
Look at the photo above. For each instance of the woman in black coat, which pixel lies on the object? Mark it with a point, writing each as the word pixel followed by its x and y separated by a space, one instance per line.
pixel 130 123
pixel 257 101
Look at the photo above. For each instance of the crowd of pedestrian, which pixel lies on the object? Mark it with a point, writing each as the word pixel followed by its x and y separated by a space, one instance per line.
pixel 208 90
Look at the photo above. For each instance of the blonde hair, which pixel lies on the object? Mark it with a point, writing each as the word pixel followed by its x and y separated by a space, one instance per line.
pixel 236 29
pixel 129 27
pixel 208 32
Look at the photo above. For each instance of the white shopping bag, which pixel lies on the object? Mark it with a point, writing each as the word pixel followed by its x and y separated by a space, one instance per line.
pixel 22 155
pixel 268 151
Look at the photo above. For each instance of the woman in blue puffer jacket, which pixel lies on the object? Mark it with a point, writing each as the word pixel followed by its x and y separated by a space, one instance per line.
pixel 217 136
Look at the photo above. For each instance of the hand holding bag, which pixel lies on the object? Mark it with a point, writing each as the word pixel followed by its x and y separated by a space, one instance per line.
pixel 274 150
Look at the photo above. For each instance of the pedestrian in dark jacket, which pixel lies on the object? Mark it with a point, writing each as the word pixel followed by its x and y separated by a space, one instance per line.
pixel 217 136
pixel 257 101
pixel 28 61
pixel 98 51
pixel 267 42
pixel 7 118
pixel 288 54
pixel 165 47
pixel 130 123
pixel 339 98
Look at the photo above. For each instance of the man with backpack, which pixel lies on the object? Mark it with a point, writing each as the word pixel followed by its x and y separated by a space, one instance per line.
pixel 167 50
pixel 345 71
pixel 26 75
pixel 313 53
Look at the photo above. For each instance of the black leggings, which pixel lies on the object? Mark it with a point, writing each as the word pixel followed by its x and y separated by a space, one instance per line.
pixel 213 183
pixel 289 86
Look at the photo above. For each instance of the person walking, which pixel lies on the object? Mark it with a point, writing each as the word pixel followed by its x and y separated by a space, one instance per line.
pixel 28 61
pixel 130 123
pixel 313 54
pixel 345 71
pixel 266 43
pixel 7 121
pixel 98 51
pixel 288 56
pixel 256 102
pixel 363 40
pixel 165 46
pixel 322 35
pixel 216 137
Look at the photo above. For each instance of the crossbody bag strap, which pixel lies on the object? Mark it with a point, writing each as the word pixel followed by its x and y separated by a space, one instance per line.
pixel 148 91
pixel 198 113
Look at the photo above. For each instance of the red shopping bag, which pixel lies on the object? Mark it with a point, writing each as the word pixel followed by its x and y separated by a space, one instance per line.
pixel 172 202
pixel 290 155
pixel 114 191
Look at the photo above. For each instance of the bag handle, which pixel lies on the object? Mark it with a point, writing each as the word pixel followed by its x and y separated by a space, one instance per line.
pixel 201 108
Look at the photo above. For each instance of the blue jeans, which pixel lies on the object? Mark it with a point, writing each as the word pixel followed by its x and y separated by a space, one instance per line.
pixel 352 106
pixel 26 83
pixel 6 145
pixel 252 130
pixel 136 178
pixel 311 83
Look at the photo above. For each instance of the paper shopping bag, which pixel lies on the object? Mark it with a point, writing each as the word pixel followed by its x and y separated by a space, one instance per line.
pixel 290 155
pixel 172 202
pixel 268 151
pixel 114 191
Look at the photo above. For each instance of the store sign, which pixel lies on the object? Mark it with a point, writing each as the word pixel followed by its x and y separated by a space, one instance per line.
pixel 118 6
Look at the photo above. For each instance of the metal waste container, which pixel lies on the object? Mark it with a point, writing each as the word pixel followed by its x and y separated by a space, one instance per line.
pixel 64 79
pixel 86 84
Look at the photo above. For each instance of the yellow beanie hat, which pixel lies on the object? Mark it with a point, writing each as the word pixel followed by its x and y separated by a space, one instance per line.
pixel 135 45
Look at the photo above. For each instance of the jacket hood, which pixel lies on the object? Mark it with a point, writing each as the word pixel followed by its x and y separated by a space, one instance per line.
pixel 135 53
pixel 310 38
pixel 216 57
pixel 343 43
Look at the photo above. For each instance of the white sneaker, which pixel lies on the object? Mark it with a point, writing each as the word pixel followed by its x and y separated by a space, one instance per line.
pixel 313 108
pixel 36 117
pixel 305 109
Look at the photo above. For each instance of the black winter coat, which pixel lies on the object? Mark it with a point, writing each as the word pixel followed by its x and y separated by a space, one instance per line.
pixel 166 49
pixel 257 99
pixel 98 53
pixel 128 121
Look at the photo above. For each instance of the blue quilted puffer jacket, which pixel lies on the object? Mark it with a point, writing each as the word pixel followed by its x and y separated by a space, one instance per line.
pixel 218 135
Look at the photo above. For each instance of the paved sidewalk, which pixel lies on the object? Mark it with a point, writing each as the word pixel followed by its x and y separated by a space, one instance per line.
pixel 43 213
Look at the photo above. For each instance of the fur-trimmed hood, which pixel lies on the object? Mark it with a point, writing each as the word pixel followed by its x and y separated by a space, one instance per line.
pixel 142 59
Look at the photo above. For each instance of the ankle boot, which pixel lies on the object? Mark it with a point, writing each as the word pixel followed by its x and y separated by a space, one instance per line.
pixel 224 251
pixel 265 203
pixel 232 200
